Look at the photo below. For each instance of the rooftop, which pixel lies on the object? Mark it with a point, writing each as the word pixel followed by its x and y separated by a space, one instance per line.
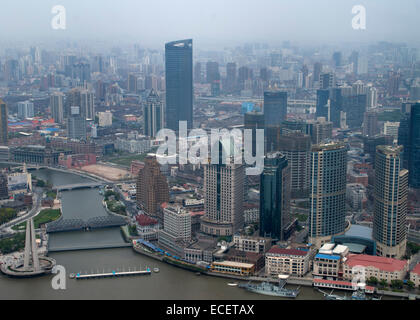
pixel 234 264
pixel 416 269
pixel 291 252
pixel 144 220
pixel 327 256
pixel 382 263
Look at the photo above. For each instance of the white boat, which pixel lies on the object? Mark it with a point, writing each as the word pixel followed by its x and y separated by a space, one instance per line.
pixel 232 284
pixel 156 270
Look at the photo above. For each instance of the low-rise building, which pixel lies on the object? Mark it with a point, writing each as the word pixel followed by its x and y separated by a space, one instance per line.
pixel 257 259
pixel 147 227
pixel 251 244
pixel 234 268
pixel 327 263
pixel 76 160
pixel 287 261
pixel 415 275
pixel 381 268
pixel 251 213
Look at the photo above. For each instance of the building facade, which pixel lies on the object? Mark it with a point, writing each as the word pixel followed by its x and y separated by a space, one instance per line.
pixel 152 187
pixel 328 168
pixel 223 197
pixel 153 115
pixel 179 83
pixel 280 261
pixel 3 124
pixel 275 196
pixel 390 194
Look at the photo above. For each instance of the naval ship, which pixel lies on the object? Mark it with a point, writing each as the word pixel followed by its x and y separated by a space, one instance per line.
pixel 271 289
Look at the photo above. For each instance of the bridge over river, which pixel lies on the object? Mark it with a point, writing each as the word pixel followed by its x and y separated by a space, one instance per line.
pixel 90 247
pixel 79 224
pixel 68 187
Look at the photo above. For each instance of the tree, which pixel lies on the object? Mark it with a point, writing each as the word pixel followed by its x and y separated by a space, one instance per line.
pixel 397 284
pixel 372 281
pixel 410 284
pixel 383 283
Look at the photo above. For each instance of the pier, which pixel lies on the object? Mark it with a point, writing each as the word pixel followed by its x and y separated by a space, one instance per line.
pixel 112 274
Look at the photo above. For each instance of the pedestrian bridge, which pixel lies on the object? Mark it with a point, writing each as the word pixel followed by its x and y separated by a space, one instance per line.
pixel 79 224
pixel 87 185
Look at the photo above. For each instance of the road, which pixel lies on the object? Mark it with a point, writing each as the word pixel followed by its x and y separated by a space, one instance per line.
pixel 5 229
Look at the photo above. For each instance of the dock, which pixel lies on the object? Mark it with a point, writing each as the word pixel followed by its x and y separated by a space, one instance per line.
pixel 112 274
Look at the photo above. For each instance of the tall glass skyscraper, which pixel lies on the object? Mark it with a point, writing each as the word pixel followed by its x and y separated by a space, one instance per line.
pixel 179 83
pixel 390 193
pixel 3 124
pixel 275 112
pixel 328 168
pixel 275 196
pixel 414 149
pixel 153 114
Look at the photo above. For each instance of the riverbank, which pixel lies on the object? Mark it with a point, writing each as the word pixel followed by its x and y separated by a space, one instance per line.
pixel 307 282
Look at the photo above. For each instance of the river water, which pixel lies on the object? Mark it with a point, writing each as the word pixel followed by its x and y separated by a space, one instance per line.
pixel 169 283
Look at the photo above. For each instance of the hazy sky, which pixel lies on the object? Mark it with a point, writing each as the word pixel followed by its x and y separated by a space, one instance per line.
pixel 211 22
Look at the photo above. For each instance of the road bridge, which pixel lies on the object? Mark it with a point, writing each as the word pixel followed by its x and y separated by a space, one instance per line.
pixel 87 185
pixel 64 225
pixel 90 247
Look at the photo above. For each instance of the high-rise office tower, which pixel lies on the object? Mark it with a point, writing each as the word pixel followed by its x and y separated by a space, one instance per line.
pixel 322 103
pixel 179 83
pixel 336 102
pixel 404 138
pixel 319 130
pixel 274 196
pixel 317 71
pixel 76 124
pixel 254 120
pixel 338 59
pixel 25 110
pixel 275 112
pixel 152 187
pixel 370 124
pixel 326 80
pixel 132 83
pixel 354 106
pixel 81 71
pixel 153 114
pixel 296 147
pixel 12 70
pixel 327 192
pixel 264 74
pixel 212 72
pixel 4 191
pixel 72 99
pixel 230 77
pixel 370 144
pixel 414 148
pixel 57 107
pixel 394 80
pixel 197 72
pixel 354 59
pixel 344 102
pixel 3 124
pixel 223 197
pixel 87 105
pixel 244 74
pixel 390 194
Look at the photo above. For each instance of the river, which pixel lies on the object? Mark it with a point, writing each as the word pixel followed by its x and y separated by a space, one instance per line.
pixel 169 283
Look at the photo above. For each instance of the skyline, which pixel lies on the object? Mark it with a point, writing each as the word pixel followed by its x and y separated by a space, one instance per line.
pixel 210 24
